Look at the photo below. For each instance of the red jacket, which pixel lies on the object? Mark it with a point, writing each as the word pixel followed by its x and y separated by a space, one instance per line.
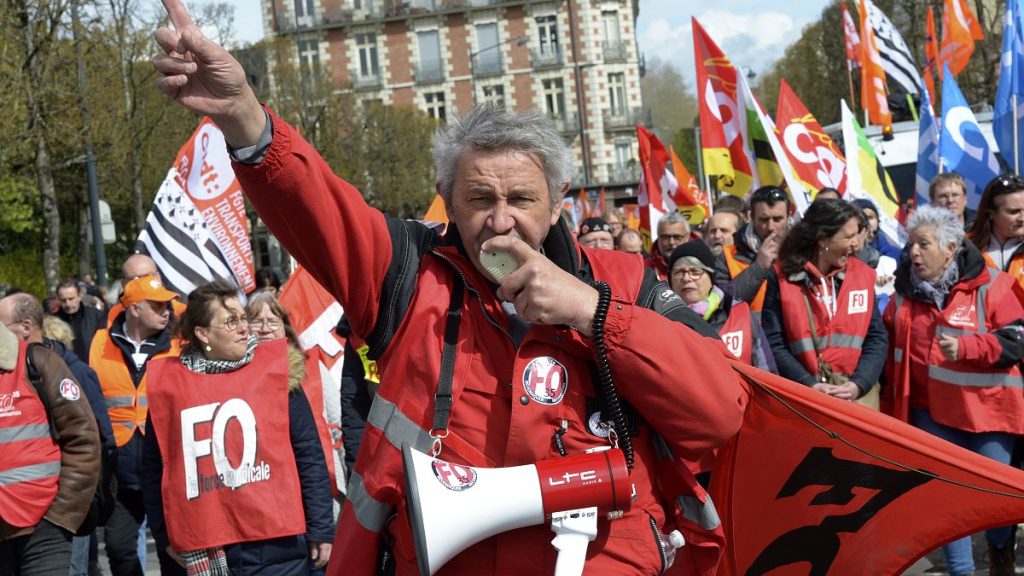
pixel 972 393
pixel 494 421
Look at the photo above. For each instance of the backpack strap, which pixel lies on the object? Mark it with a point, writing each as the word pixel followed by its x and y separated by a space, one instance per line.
pixel 32 372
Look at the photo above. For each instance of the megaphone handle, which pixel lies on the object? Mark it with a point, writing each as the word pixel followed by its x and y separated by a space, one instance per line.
pixel 574 529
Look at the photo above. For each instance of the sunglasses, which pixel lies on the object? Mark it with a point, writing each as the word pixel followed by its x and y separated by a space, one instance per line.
pixel 1004 184
pixel 768 194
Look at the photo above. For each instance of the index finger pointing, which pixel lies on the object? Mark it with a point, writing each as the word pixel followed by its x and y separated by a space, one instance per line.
pixel 179 15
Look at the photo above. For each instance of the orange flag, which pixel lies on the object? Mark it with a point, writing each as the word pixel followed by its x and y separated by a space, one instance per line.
pixel 832 481
pixel 688 192
pixel 436 212
pixel 602 206
pixel 960 29
pixel 584 204
pixel 931 53
pixel 872 76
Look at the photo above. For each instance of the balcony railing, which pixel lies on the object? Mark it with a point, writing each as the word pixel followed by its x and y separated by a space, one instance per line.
pixel 625 173
pixel 614 51
pixel 550 58
pixel 366 81
pixel 622 118
pixel 567 122
pixel 487 63
pixel 429 72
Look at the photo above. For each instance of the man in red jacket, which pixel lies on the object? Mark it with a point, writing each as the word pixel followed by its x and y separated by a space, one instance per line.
pixel 496 367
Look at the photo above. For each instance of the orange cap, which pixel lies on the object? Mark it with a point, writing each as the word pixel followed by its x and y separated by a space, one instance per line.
pixel 146 288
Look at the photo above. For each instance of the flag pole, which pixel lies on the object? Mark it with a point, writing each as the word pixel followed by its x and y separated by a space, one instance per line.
pixel 1016 137
pixel 849 76
pixel 913 109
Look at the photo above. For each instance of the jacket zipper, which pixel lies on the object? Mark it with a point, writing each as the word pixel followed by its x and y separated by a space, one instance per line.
pixel 659 543
pixel 479 299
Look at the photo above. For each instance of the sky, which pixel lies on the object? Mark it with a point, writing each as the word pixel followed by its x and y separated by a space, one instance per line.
pixel 753 33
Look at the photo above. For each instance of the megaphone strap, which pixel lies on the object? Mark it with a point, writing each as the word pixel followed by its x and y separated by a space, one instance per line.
pixel 443 394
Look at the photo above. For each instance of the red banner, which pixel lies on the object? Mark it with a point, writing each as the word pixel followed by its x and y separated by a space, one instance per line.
pixel 816 485
pixel 205 173
pixel 817 161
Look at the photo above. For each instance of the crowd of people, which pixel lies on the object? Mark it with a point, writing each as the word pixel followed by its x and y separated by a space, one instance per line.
pixel 198 418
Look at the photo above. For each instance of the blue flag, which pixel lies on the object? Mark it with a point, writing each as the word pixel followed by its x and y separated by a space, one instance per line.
pixel 962 147
pixel 927 149
pixel 1011 83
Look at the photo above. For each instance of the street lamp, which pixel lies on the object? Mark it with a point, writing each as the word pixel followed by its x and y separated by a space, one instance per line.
pixel 519 41
pixel 581 113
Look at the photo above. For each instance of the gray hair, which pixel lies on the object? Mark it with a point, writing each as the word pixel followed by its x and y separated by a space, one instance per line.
pixel 25 306
pixel 946 226
pixel 489 127
pixel 674 217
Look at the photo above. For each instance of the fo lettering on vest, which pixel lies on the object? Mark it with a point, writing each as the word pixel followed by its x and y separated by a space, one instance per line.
pixel 225 442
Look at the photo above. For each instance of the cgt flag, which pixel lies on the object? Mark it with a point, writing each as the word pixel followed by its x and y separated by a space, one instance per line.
pixel 818 162
pixel 816 485
pixel 314 314
pixel 658 186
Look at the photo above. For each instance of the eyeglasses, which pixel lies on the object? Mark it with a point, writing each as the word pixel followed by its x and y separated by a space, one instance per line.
pixel 265 324
pixel 691 273
pixel 769 194
pixel 232 323
pixel 947 196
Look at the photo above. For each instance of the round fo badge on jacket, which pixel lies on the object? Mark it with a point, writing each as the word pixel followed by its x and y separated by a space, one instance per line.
pixel 545 380
pixel 69 390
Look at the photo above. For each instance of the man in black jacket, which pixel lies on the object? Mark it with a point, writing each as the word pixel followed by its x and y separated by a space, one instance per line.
pixel 84 320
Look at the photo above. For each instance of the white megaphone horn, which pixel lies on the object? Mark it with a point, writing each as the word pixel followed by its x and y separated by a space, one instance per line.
pixel 452 506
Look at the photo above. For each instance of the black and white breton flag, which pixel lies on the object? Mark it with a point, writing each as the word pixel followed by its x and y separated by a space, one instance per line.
pixel 897 61
pixel 177 238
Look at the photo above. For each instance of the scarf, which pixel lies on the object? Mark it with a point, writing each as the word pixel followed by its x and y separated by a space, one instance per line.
pixel 708 306
pixel 211 561
pixel 937 291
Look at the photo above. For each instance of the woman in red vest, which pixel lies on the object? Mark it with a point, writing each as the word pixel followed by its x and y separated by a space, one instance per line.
pixel 691 269
pixel 956 340
pixel 819 311
pixel 998 229
pixel 234 477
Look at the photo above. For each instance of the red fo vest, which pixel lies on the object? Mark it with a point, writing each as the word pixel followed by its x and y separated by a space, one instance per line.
pixel 961 394
pixel 841 337
pixel 738 332
pixel 218 431
pixel 30 462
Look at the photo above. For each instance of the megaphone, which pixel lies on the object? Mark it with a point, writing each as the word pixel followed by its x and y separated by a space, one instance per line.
pixel 452 506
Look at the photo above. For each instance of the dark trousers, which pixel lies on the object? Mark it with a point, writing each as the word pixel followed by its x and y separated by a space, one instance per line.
pixel 121 534
pixel 45 552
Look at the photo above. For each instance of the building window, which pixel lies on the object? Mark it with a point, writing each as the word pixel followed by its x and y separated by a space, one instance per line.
pixel 304 12
pixel 617 93
pixel 435 105
pixel 613 47
pixel 494 95
pixel 309 55
pixel 488 54
pixel 547 34
pixel 366 45
pixel 554 97
pixel 430 67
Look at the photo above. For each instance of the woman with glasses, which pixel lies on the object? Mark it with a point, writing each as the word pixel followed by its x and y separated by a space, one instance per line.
pixel 956 339
pixel 998 229
pixel 819 310
pixel 233 471
pixel 691 269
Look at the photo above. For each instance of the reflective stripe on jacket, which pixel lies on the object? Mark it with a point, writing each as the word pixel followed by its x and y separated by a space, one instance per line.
pixel 29 457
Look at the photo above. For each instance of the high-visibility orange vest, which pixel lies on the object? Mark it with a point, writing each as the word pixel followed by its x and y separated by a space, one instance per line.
pixel 229 469
pixel 127 404
pixel 843 335
pixel 29 457
pixel 1015 268
pixel 736 267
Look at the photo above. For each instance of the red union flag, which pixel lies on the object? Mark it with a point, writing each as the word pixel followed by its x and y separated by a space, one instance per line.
pixel 314 314
pixel 205 173
pixel 817 161
pixel 851 37
pixel 833 479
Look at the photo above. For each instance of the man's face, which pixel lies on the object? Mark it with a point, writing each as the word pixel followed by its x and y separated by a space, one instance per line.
pixel 952 197
pixel 153 316
pixel 19 329
pixel 1008 216
pixel 670 235
pixel 598 239
pixel 631 244
pixel 721 227
pixel 70 299
pixel 770 218
pixel 500 193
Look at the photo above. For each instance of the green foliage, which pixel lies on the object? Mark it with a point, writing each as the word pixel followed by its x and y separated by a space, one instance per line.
pixel 18 214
